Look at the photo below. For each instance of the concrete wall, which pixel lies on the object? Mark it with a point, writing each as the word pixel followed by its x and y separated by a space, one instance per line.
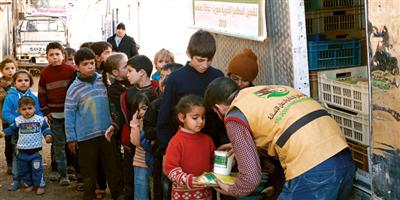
pixel 5 31
pixel 384 55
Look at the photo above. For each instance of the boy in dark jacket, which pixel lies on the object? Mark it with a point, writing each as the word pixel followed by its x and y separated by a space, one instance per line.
pixel 193 78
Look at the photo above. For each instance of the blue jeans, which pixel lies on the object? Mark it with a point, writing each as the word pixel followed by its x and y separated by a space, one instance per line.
pixel 30 168
pixel 330 180
pixel 141 183
pixel 58 134
pixel 14 169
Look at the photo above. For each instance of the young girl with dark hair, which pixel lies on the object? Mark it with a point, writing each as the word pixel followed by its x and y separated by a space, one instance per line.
pixel 179 165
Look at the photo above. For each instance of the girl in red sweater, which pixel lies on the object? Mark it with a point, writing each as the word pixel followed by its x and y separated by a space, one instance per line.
pixel 189 153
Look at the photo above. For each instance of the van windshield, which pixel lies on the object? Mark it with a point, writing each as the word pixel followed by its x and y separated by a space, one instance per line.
pixel 43 25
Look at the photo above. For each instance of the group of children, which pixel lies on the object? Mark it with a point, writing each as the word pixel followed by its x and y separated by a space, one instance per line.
pixel 121 126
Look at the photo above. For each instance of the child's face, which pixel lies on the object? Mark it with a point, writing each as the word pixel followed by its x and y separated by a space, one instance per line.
pixel 55 57
pixel 142 109
pixel 70 60
pixel 86 68
pixel 27 110
pixel 122 70
pixel 9 70
pixel 22 82
pixel 194 120
pixel 163 75
pixel 133 75
pixel 104 55
pixel 200 64
pixel 161 62
pixel 239 80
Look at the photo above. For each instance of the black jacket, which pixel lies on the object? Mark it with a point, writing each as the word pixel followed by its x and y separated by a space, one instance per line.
pixel 127 45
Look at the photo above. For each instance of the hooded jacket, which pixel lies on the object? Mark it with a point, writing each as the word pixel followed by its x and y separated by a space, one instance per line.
pixel 10 106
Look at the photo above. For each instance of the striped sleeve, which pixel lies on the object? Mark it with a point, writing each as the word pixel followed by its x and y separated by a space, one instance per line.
pixel 70 110
pixel 247 159
pixel 45 128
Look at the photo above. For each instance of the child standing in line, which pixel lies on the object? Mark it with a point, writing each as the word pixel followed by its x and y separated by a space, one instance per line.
pixel 69 56
pixel 85 44
pixel 161 58
pixel 142 159
pixel 102 50
pixel 193 78
pixel 22 81
pixel 30 127
pixel 179 165
pixel 116 67
pixel 139 71
pixel 7 67
pixel 243 68
pixel 149 128
pixel 53 84
pixel 87 125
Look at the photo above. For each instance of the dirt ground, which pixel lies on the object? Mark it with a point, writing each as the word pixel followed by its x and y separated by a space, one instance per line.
pixel 53 189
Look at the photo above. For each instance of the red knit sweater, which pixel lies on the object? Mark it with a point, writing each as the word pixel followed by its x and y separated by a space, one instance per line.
pixel 188 155
pixel 53 86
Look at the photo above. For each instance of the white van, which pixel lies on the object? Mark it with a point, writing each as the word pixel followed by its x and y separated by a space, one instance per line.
pixel 34 33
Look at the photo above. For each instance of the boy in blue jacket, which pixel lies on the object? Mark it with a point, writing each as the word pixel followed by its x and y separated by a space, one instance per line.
pixel 87 119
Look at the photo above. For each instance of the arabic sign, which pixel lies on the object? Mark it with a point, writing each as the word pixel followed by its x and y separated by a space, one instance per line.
pixel 48 7
pixel 240 18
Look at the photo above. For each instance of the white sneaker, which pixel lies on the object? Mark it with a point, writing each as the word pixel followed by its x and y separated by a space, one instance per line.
pixel 54 176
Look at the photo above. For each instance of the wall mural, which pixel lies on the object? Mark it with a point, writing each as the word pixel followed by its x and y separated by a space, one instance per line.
pixel 384 49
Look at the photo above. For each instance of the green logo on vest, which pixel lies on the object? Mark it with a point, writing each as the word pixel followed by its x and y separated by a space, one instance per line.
pixel 272 92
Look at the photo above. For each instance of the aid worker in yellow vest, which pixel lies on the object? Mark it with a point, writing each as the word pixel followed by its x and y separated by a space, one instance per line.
pixel 284 123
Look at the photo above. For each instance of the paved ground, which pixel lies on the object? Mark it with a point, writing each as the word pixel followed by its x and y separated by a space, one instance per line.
pixel 53 190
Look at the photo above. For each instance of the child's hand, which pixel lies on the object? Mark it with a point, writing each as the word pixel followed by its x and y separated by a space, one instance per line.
pixel 2 134
pixel 48 139
pixel 109 133
pixel 73 146
pixel 226 147
pixel 135 115
pixel 196 183
pixel 50 118
pixel 222 188
pixel 135 122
